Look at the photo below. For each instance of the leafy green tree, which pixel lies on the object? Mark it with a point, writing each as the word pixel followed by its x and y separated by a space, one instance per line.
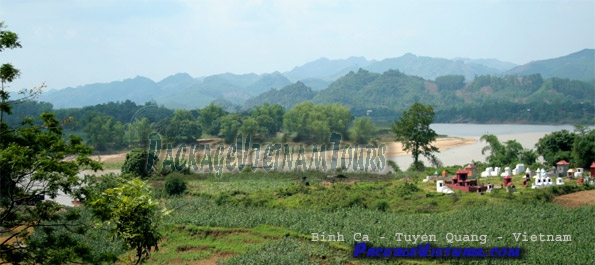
pixel 339 118
pixel 583 149
pixel 414 132
pixel 269 118
pixel 495 148
pixel 230 125
pixel 36 161
pixel 309 122
pixel 507 154
pixel 179 131
pixel 296 120
pixel 132 215
pixel 209 118
pixel 136 163
pixel 249 127
pixel 556 146
pixel 363 130
pixel 138 132
pixel 103 132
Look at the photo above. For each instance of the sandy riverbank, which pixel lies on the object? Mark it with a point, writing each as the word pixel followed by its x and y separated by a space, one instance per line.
pixel 392 150
pixel 443 144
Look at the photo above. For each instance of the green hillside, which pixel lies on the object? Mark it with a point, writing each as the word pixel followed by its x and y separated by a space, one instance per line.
pixel 487 99
pixel 578 66
pixel 286 97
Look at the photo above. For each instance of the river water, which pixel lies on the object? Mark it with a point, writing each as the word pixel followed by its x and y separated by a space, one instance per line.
pixel 526 135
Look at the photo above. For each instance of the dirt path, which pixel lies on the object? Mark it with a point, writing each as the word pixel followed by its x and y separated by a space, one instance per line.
pixel 577 199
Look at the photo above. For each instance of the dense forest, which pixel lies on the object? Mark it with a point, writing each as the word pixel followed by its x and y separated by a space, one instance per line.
pixel 486 99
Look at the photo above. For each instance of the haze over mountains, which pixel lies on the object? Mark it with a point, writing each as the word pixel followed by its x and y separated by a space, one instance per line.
pixel 183 91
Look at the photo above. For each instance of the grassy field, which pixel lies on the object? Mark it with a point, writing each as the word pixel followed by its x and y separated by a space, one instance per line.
pixel 269 218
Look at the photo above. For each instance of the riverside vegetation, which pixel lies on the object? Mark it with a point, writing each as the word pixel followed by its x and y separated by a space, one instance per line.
pixel 250 217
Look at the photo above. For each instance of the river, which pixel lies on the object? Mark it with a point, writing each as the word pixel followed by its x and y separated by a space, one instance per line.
pixel 526 135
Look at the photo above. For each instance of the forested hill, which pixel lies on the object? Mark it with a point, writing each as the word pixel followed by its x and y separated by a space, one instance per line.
pixel 286 97
pixel 579 66
pixel 486 99
pixel 182 91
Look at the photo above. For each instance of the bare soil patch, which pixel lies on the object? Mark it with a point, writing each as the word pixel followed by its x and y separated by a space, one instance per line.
pixel 110 158
pixel 576 199
pixel 443 143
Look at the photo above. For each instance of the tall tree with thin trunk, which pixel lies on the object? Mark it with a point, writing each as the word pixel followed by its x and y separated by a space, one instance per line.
pixel 414 132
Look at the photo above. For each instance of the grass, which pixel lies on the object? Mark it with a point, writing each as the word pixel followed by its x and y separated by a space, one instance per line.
pixel 267 218
pixel 113 165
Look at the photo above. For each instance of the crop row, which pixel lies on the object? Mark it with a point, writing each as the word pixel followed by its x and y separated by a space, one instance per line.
pixel 494 220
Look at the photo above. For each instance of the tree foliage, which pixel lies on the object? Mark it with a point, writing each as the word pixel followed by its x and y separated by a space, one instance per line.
pixel 508 153
pixel 450 82
pixel 103 132
pixel 37 162
pixel 556 146
pixel 414 132
pixel 209 118
pixel 269 118
pixel 309 122
pixel 132 215
pixel 363 130
pixel 136 163
pixel 583 149
pixel 174 185
pixel 230 125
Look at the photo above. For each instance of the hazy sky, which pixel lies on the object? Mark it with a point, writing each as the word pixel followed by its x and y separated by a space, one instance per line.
pixel 76 42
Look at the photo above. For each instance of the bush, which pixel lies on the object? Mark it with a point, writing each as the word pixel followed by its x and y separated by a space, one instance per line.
pixel 175 185
pixel 136 163
pixel 394 166
pixel 381 205
pixel 247 169
pixel 417 167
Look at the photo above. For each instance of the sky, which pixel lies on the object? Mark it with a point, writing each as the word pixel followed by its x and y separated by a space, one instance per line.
pixel 68 43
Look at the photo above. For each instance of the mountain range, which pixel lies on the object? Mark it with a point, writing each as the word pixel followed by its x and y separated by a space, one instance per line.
pixel 183 91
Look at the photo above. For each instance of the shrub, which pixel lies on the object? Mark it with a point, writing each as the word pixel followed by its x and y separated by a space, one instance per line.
pixel 394 166
pixel 136 163
pixel 247 169
pixel 381 205
pixel 417 167
pixel 174 185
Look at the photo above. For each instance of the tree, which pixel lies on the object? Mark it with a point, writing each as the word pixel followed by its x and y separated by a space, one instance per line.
pixel 133 215
pixel 414 132
pixel 36 161
pixel 583 149
pixel 103 133
pixel 249 127
pixel 179 131
pixel 306 121
pixel 230 124
pixel 269 118
pixel 363 130
pixel 556 146
pixel 136 163
pixel 209 118
pixel 138 132
pixel 509 153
